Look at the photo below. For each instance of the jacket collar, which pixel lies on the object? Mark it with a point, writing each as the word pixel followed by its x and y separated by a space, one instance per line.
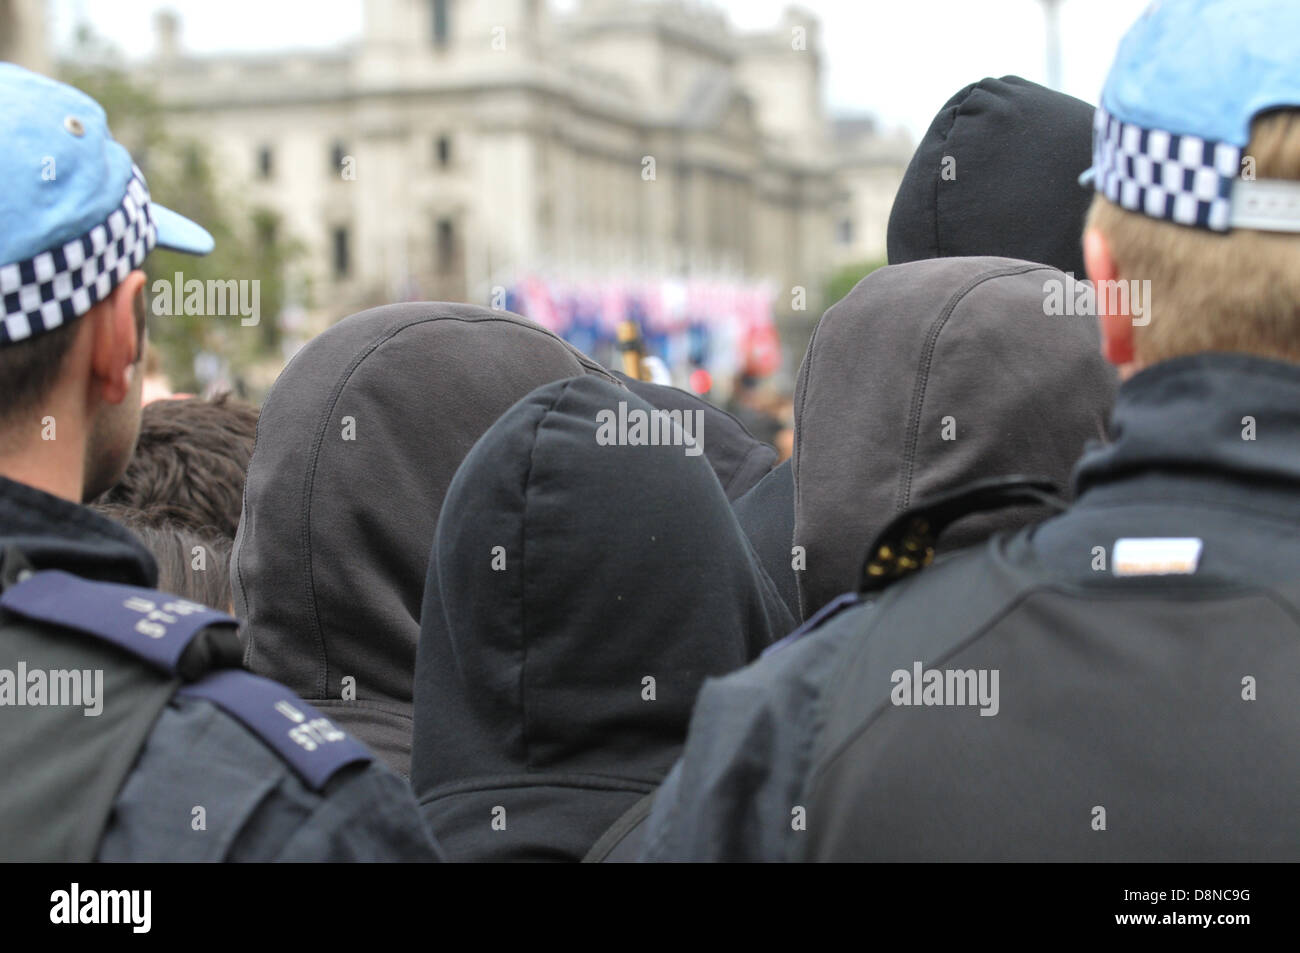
pixel 53 533
pixel 1232 417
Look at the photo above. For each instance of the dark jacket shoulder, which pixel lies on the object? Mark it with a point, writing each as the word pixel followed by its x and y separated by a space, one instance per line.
pixel 206 788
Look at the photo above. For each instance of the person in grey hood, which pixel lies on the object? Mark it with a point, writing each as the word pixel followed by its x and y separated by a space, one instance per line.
pixel 928 376
pixel 995 175
pixel 580 590
pixel 356 446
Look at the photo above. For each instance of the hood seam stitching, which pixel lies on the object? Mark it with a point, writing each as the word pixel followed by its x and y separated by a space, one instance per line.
pixel 322 678
pixel 523 575
pixel 903 494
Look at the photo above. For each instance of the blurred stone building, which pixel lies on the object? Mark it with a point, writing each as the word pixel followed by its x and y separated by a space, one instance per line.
pixel 460 143
pixel 869 166
pixel 23 38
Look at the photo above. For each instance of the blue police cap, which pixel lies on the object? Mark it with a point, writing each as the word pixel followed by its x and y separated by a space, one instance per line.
pixel 1188 80
pixel 75 212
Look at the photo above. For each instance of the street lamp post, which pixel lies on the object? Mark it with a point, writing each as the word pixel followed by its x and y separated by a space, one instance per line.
pixel 1052 13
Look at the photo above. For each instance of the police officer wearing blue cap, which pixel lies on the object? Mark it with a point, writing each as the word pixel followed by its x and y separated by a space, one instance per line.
pixel 127 729
pixel 1119 681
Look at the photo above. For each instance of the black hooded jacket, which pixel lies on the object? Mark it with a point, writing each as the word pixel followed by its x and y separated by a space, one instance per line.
pixel 356 445
pixel 579 594
pixel 1011 189
pixel 739 459
pixel 766 514
pixel 997 174
pixel 1145 645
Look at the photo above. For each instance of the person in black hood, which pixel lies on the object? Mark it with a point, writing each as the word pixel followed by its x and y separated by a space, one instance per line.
pixel 579 592
pixel 356 445
pixel 738 458
pixel 766 514
pixel 997 174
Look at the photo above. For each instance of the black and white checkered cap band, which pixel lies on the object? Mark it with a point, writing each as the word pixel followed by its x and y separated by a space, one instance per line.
pixel 65 282
pixel 1183 179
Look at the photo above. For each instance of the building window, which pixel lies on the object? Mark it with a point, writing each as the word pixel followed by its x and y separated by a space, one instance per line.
pixel 844 231
pixel 446 244
pixel 342 259
pixel 442 151
pixel 439 13
pixel 338 153
pixel 265 162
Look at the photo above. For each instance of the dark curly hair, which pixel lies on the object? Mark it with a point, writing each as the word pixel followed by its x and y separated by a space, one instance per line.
pixel 192 459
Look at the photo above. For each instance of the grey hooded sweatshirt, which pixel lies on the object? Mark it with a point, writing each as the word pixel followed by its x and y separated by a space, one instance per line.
pixel 356 446
pixel 927 376
pixel 995 175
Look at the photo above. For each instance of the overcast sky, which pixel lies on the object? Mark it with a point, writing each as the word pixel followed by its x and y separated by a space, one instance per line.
pixel 898 59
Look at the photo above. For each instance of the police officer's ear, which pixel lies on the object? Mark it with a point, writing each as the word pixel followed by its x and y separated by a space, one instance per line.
pixel 1116 329
pixel 117 339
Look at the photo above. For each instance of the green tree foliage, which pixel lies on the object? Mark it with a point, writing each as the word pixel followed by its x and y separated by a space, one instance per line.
pixel 250 241
pixel 845 277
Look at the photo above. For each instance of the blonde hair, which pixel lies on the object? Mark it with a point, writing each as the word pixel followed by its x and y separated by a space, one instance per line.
pixel 1211 291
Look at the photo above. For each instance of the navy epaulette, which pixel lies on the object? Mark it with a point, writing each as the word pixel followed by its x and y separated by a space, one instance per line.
pixel 312 745
pixel 846 600
pixel 151 625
